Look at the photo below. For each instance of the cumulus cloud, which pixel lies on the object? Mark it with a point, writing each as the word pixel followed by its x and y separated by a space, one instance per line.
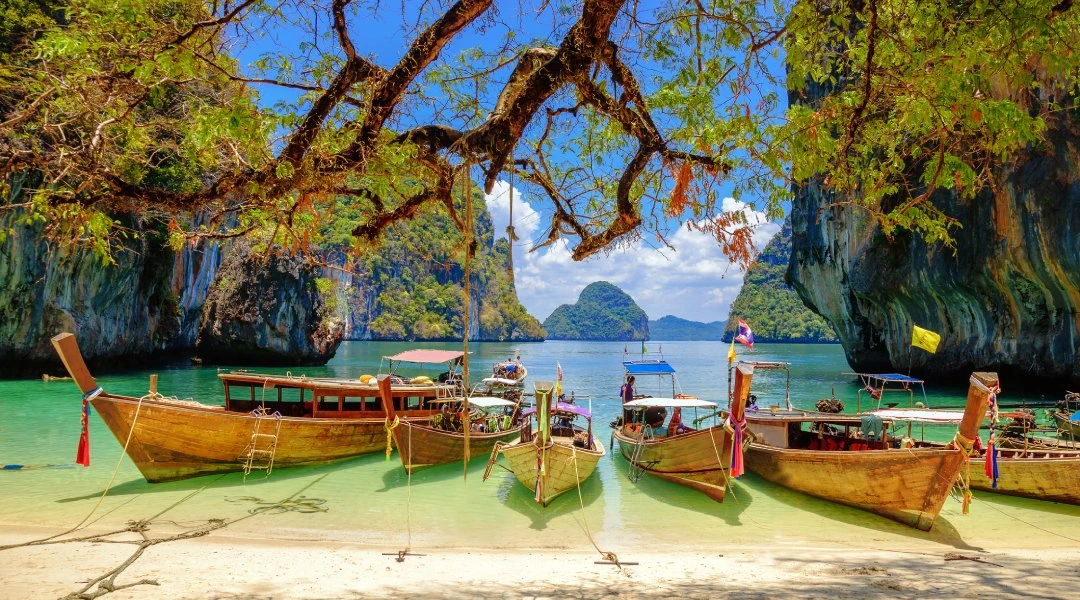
pixel 695 281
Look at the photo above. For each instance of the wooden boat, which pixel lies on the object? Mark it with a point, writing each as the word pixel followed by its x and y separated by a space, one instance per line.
pixel 697 458
pixel 434 441
pixel 817 454
pixel 283 421
pixel 558 455
pixel 1028 467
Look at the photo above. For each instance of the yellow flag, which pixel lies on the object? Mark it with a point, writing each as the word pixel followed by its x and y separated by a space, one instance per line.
pixel 731 351
pixel 925 339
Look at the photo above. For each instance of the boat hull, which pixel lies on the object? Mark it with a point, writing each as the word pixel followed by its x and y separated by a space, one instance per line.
pixel 1042 475
pixel 700 460
pixel 909 486
pixel 565 466
pixel 179 440
pixel 420 445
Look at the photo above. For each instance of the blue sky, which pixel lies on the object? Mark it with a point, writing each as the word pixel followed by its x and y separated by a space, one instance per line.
pixel 695 281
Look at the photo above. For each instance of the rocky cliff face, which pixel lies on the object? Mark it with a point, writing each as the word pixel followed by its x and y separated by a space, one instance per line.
pixel 1007 300
pixel 267 309
pixel 122 314
pixel 411 286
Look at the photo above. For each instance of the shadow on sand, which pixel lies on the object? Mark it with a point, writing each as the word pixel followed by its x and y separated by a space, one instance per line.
pixel 736 499
pixel 943 532
pixel 226 480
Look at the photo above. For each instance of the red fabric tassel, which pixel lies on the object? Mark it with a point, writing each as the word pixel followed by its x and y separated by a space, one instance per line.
pixel 82 457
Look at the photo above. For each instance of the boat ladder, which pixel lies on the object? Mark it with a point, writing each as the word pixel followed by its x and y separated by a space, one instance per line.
pixel 260 451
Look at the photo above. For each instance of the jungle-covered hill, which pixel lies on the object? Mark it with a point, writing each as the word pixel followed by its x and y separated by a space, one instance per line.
pixel 770 306
pixel 602 312
pixel 672 328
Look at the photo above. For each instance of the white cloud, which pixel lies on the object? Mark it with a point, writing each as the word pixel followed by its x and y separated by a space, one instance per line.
pixel 695 281
pixel 526 220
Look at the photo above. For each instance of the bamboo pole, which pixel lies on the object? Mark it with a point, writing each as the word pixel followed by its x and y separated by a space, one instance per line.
pixel 466 420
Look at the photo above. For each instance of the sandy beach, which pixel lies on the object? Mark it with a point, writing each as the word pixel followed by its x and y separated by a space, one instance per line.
pixel 220 566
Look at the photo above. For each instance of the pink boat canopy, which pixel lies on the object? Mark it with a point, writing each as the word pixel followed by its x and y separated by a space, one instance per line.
pixel 427 356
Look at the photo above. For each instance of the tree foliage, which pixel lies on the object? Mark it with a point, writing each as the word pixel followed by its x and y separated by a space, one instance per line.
pixel 627 117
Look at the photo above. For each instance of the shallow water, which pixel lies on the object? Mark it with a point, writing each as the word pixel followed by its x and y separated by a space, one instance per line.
pixel 371 500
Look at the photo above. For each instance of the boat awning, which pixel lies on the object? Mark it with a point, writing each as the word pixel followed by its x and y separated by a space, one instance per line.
pixel 672 402
pixel 564 407
pixel 889 377
pixel 481 401
pixel 919 416
pixel 648 367
pixel 427 356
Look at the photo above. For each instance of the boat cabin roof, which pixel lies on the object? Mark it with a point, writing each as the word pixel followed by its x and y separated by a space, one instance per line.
pixel 564 407
pixel 920 416
pixel 888 378
pixel 689 402
pixel 648 367
pixel 803 416
pixel 427 356
pixel 481 401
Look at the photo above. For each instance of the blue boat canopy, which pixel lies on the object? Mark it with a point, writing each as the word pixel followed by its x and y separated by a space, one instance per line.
pixel 890 377
pixel 648 367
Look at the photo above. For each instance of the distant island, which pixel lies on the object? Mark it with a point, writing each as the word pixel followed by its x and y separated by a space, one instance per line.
pixel 673 329
pixel 770 306
pixel 602 312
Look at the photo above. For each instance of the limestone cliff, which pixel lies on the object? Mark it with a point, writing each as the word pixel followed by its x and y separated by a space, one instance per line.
pixel 1007 300
pixel 123 314
pixel 267 309
pixel 411 285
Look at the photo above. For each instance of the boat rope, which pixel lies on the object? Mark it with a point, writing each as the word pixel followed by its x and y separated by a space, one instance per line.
pixel 991 445
pixel 966 447
pixel 608 556
pixel 389 427
pixel 1029 524
pixel 720 463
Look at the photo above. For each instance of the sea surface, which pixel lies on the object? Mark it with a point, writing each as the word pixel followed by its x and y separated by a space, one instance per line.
pixel 370 500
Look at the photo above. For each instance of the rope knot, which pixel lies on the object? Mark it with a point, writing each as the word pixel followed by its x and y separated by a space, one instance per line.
pixel 389 437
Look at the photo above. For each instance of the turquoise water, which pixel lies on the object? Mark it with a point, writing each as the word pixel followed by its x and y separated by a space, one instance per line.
pixel 371 500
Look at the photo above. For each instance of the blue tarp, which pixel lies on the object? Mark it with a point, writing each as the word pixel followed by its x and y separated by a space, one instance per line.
pixel 648 367
pixel 889 377
pixel 1075 416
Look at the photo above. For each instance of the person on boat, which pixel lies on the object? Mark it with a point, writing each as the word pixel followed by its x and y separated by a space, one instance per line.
pixel 627 393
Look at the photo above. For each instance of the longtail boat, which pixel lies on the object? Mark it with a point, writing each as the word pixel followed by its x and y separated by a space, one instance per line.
pixel 820 455
pixel 698 458
pixel 558 455
pixel 281 421
pixel 442 439
pixel 1026 466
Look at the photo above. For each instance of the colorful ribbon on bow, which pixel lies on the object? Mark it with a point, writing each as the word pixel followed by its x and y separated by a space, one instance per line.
pixel 736 430
pixel 991 446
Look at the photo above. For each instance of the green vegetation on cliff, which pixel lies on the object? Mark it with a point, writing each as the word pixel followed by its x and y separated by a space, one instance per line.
pixel 410 285
pixel 672 328
pixel 602 312
pixel 770 306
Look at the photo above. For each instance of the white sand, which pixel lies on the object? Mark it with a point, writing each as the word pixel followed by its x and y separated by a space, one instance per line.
pixel 219 566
